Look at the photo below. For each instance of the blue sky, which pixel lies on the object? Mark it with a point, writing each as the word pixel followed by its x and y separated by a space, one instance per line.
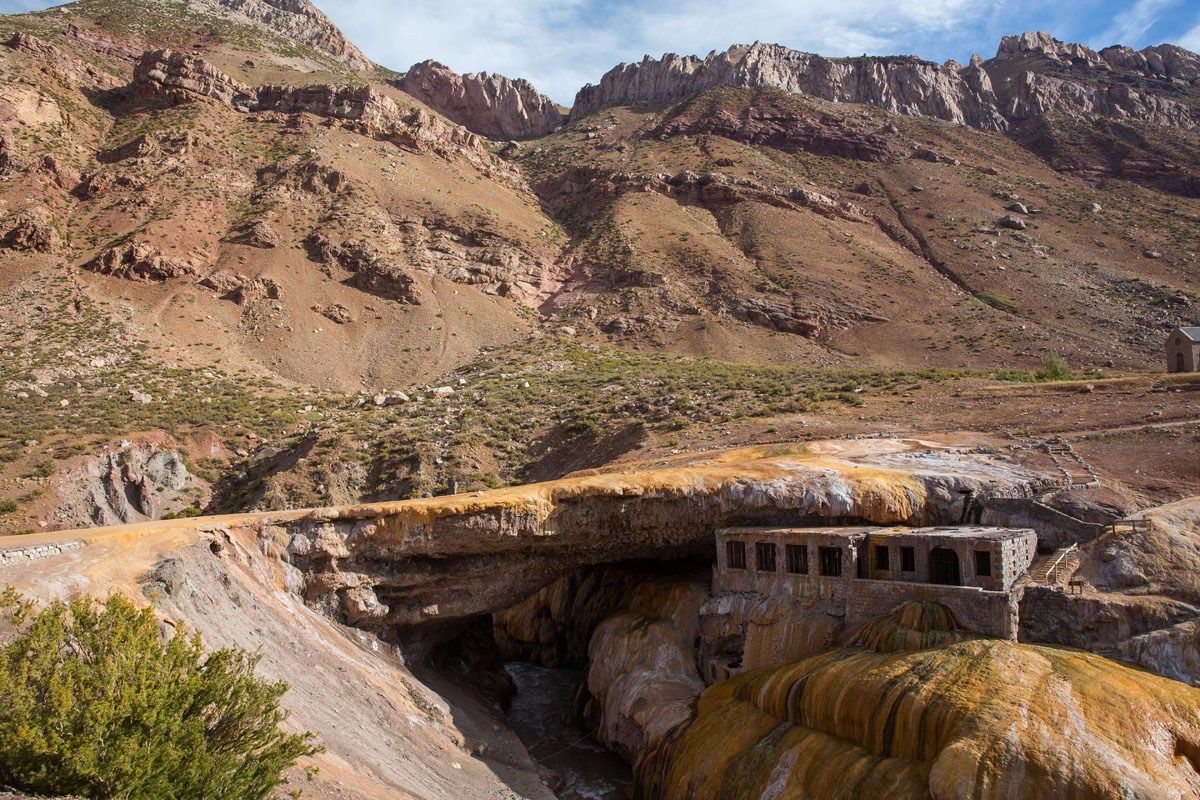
pixel 562 44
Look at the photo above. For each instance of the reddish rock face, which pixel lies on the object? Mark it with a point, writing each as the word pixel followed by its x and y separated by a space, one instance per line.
pixel 490 105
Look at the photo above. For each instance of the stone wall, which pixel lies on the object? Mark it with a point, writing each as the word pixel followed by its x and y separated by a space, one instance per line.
pixel 1054 528
pixel 993 614
pixel 23 555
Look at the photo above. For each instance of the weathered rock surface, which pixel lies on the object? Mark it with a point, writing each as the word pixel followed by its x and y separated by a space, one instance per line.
pixel 490 105
pixel 1141 599
pixel 301 21
pixel 242 289
pixel 167 77
pixel 32 229
pixel 170 76
pixel 965 719
pixel 139 261
pixel 788 131
pixel 127 482
pixel 447 559
pixel 371 270
pixel 411 736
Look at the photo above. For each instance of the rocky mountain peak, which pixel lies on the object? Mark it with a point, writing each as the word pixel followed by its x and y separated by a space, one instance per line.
pixel 901 84
pixel 1046 45
pixel 302 21
pixel 490 105
pixel 1032 74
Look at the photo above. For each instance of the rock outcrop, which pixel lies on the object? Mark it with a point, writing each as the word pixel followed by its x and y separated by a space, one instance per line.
pixel 1140 600
pixel 32 229
pixel 901 84
pixel 1032 75
pixel 301 21
pixel 127 482
pixel 170 78
pixel 370 270
pixel 490 105
pixel 139 261
pixel 428 562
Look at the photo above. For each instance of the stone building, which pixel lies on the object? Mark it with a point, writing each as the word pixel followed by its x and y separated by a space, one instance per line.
pixel 1183 350
pixel 861 573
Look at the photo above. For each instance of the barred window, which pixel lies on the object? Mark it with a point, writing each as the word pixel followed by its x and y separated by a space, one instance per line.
pixel 764 556
pixel 735 555
pixel 831 561
pixel 797 559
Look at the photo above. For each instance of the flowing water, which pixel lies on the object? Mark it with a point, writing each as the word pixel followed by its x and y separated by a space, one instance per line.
pixel 571 762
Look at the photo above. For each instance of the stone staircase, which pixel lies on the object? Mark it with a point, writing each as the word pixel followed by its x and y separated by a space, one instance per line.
pixel 1076 472
pixel 1057 568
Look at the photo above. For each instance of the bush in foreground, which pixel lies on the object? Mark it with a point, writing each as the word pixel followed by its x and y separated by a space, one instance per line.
pixel 97 703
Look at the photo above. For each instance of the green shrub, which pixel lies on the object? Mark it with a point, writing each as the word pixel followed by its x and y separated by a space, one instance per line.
pixel 8 506
pixel 1055 368
pixel 97 703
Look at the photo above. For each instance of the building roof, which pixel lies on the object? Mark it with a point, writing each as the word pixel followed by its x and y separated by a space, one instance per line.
pixel 1191 331
pixel 858 532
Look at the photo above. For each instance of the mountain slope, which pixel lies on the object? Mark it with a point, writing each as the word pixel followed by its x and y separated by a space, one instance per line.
pixel 216 216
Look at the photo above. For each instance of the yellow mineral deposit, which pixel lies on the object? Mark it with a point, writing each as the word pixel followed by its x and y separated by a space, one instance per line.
pixel 978 718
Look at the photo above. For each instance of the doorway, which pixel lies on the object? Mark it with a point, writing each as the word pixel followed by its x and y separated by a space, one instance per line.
pixel 943 567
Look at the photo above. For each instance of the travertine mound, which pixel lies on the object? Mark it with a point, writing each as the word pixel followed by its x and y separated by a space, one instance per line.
pixel 974 719
pixel 490 105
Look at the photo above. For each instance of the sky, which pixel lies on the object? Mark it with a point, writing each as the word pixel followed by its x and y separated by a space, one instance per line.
pixel 560 45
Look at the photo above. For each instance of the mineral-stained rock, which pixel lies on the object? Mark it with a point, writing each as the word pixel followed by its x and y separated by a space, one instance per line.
pixel 922 715
pixel 32 229
pixel 1141 598
pixel 139 261
pixel 130 482
pixel 490 105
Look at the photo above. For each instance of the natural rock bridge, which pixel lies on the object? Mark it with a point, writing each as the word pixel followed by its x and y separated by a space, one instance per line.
pixel 393 566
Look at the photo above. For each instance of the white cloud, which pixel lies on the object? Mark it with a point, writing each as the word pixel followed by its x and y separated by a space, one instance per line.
pixel 1191 38
pixel 559 46
pixel 1132 24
